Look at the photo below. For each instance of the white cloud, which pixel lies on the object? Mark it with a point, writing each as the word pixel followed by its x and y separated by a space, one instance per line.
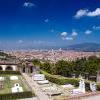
pixel 28 4
pixel 81 13
pixel 46 20
pixel 68 38
pixel 86 12
pixel 74 33
pixel 64 34
pixel 96 27
pixel 94 13
pixel 88 32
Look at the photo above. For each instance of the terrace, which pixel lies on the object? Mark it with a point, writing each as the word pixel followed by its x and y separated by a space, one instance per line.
pixel 8 84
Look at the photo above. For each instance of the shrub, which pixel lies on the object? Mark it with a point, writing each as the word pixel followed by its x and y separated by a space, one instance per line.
pixel 14 96
pixel 98 86
pixel 58 79
pixel 10 72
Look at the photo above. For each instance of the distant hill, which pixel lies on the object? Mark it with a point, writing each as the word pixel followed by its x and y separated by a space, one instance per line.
pixel 76 47
pixel 85 47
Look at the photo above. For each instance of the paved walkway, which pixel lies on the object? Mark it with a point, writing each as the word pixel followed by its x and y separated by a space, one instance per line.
pixel 97 97
pixel 34 86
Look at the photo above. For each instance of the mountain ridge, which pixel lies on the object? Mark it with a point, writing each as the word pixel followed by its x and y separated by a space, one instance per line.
pixel 85 47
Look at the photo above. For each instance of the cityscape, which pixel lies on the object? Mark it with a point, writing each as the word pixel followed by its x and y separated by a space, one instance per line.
pixel 53 55
pixel 49 50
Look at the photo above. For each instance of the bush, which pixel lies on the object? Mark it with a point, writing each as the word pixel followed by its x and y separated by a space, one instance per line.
pixel 58 79
pixel 10 72
pixel 87 85
pixel 14 96
pixel 98 86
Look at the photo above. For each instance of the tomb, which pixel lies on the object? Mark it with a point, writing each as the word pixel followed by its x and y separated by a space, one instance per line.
pixel 13 77
pixel 17 88
pixel 1 82
pixel 93 86
pixel 81 88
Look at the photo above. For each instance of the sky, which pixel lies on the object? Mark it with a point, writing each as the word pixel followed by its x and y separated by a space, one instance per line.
pixel 41 23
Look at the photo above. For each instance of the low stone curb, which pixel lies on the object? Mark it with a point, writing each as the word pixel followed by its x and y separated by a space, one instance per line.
pixel 81 96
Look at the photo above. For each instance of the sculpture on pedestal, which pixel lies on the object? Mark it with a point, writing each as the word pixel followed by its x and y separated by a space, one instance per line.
pixel 81 88
pixel 93 86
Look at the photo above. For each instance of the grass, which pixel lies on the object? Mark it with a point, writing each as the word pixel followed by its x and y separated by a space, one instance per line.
pixel 8 84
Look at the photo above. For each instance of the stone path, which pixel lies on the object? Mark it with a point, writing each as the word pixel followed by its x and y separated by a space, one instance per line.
pixel 97 97
pixel 34 86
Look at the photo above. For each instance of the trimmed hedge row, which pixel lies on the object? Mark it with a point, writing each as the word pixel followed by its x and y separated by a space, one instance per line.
pixel 14 96
pixel 10 72
pixel 60 80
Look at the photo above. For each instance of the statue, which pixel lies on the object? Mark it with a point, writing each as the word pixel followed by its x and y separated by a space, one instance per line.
pixel 81 88
pixel 93 86
pixel 82 85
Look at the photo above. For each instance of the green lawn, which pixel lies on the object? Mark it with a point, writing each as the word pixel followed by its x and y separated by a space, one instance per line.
pixel 8 84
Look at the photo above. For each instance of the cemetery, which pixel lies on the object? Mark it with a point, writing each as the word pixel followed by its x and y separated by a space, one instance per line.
pixel 72 87
pixel 18 81
pixel 13 87
pixel 62 83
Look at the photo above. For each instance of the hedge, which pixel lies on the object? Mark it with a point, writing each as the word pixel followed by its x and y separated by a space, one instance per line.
pixel 10 72
pixel 14 96
pixel 60 80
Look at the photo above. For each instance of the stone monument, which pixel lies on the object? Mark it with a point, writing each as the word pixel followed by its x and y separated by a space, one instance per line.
pixel 93 86
pixel 2 82
pixel 13 77
pixel 17 88
pixel 81 88
pixel 82 85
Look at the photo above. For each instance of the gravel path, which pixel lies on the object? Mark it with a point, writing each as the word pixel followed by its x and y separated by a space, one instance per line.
pixel 40 95
pixel 97 97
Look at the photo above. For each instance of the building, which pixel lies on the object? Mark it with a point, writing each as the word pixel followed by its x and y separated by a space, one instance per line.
pixel 8 66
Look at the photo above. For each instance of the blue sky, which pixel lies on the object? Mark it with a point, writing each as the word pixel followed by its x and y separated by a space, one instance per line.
pixel 31 23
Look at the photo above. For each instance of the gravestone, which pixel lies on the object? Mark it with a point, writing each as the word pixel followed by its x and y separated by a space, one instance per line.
pixel 82 85
pixel 93 86
pixel 73 75
pixel 13 77
pixel 2 78
pixel 2 82
pixel 17 88
pixel 1 85
pixel 81 88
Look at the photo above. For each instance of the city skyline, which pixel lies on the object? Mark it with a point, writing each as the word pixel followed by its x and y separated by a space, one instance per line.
pixel 41 23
